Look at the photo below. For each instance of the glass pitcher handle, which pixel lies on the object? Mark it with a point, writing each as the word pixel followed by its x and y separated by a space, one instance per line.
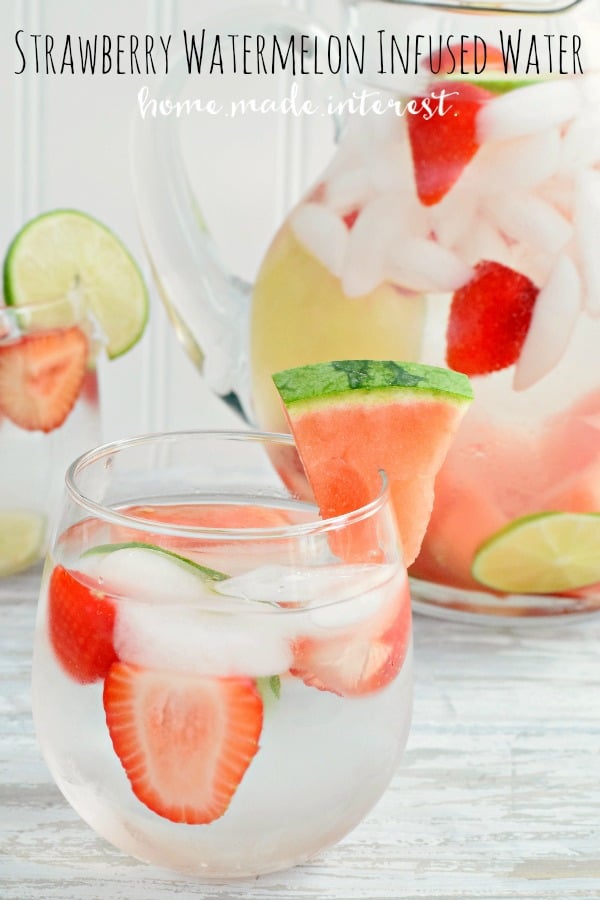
pixel 207 304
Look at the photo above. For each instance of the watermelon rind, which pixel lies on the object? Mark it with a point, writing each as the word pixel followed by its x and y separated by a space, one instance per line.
pixel 372 380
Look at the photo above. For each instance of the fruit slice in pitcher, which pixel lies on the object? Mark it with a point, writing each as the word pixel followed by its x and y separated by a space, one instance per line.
pixel 352 418
pixel 489 319
pixel 545 553
pixel 443 144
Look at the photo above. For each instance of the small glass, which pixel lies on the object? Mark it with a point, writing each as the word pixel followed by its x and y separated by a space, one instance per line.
pixel 221 679
pixel 49 414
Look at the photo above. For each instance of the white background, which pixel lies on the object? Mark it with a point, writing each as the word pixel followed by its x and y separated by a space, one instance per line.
pixel 65 143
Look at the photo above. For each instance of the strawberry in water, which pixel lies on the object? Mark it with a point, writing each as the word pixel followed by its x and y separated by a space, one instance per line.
pixel 489 319
pixel 361 661
pixel 80 623
pixel 350 218
pixel 41 375
pixel 443 144
pixel 185 741
pixel 89 388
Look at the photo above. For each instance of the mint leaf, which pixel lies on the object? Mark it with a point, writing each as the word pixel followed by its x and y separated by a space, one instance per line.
pixel 269 686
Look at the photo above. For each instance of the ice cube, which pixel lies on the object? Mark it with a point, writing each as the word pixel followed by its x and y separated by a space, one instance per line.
pixel 338 594
pixel 144 574
pixel 424 265
pixel 323 234
pixel 348 190
pixel 302 586
pixel 452 218
pixel 374 598
pixel 202 642
pixel 589 85
pixel 366 134
pixel 394 169
pixel 529 110
pixel 521 163
pixel 170 616
pixel 559 191
pixel 534 262
pixel 587 219
pixel 581 142
pixel 555 313
pixel 528 218
pixel 382 222
pixel 484 241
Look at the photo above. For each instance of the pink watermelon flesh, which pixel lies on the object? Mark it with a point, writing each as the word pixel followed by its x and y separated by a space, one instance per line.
pixel 400 419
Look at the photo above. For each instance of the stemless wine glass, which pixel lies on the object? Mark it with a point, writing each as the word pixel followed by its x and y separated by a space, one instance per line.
pixel 222 680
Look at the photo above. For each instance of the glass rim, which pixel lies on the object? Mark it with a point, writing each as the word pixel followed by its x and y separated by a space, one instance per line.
pixel 313 527
pixel 72 296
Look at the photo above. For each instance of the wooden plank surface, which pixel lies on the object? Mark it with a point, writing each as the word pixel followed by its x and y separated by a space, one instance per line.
pixel 498 795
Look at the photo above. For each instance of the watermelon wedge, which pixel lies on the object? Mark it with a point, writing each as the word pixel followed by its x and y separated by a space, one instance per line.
pixel 352 418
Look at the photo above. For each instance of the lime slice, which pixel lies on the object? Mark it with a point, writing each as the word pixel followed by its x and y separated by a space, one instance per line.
pixel 203 572
pixel 21 540
pixel 66 250
pixel 497 83
pixel 546 553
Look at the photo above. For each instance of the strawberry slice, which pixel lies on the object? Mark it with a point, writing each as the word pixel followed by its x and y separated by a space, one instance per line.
pixel 185 741
pixel 89 388
pixel 489 319
pixel 81 624
pixel 361 661
pixel 41 375
pixel 444 144
pixel 350 218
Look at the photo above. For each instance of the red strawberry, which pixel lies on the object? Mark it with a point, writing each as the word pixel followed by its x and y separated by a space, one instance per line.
pixel 360 661
pixel 185 741
pixel 350 218
pixel 489 319
pixel 89 388
pixel 442 145
pixel 81 623
pixel 40 377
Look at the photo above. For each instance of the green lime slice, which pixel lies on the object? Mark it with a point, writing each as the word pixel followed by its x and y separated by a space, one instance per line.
pixel 545 553
pixel 203 572
pixel 497 83
pixel 66 250
pixel 21 540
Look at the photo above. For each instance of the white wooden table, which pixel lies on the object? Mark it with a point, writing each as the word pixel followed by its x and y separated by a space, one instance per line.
pixel 498 795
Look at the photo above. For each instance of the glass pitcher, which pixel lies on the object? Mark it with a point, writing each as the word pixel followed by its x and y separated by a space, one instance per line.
pixel 457 225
